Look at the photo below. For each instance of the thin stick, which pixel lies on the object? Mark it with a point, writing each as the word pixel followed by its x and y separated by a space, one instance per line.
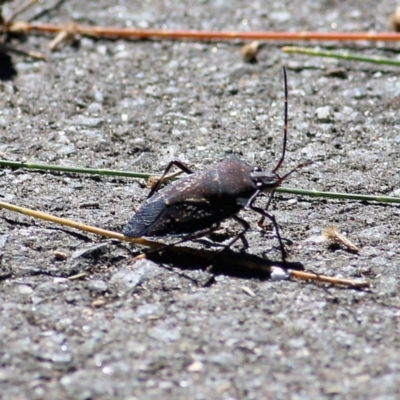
pixel 335 195
pixel 303 275
pixel 33 54
pixel 77 225
pixel 342 56
pixel 20 10
pixel 77 170
pixel 234 261
pixel 115 32
pixel 334 236
pixel 145 175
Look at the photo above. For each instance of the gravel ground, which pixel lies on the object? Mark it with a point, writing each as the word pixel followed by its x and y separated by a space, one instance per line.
pixel 144 330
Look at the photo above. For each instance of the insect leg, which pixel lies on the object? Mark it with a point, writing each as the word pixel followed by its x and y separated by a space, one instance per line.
pixel 273 220
pixel 246 227
pixel 192 236
pixel 260 222
pixel 182 166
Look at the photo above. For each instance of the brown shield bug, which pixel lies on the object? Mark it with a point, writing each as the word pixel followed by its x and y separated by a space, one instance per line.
pixel 195 205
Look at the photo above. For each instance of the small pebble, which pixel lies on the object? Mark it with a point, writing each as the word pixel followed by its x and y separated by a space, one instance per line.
pixel 90 252
pixel 248 291
pixel 323 114
pixel 394 20
pixel 278 274
pixel 97 285
pixel 196 366
pixel 98 303
pixel 25 289
pixel 59 255
pixel 94 108
pixel 249 51
pixel 336 73
pixel 67 150
pixel 98 96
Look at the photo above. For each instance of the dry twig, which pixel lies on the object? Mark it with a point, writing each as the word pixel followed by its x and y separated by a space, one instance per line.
pixel 333 235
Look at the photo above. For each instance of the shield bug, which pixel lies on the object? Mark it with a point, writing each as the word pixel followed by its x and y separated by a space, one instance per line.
pixel 194 206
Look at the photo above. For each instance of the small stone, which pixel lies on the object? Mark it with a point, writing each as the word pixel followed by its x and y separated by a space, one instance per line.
pixel 125 281
pixel 315 239
pixel 98 96
pixel 196 366
pixel 59 255
pixel 280 16
pixel 62 358
pixel 223 358
pixel 249 52
pixel 336 73
pixel 90 252
pixel 394 20
pixel 25 289
pixel 278 274
pixel 166 385
pixel 94 108
pixel 394 193
pixel 6 375
pixel 323 114
pixel 3 240
pixel 147 310
pixel 98 303
pixel 97 285
pixel 85 121
pixel 67 150
pixel 4 122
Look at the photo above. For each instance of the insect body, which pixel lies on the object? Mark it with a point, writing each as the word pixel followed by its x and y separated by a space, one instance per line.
pixel 200 200
pixel 195 205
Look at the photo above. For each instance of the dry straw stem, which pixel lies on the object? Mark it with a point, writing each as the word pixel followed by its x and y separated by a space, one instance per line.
pixel 24 6
pixel 333 235
pixel 5 25
pixel 128 33
pixel 67 34
pixel 234 261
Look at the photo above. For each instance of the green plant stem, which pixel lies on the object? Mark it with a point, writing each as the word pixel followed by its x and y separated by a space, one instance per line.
pixel 143 175
pixel 77 170
pixel 335 195
pixel 342 56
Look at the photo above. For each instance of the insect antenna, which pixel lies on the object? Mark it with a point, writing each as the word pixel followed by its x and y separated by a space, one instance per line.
pixel 295 169
pixel 285 126
pixel 280 162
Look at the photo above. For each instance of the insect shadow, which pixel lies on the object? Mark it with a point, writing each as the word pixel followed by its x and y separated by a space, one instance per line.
pixel 230 263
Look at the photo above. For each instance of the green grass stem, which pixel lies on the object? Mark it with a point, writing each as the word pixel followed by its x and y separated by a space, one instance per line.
pixel 341 56
pixel 143 175
pixel 77 170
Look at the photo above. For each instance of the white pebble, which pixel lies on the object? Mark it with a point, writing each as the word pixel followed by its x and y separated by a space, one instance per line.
pixel 278 274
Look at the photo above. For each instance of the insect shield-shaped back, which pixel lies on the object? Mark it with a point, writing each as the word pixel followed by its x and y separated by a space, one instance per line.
pixel 196 202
